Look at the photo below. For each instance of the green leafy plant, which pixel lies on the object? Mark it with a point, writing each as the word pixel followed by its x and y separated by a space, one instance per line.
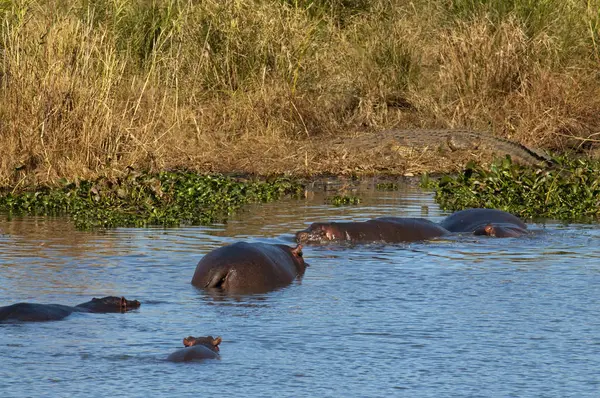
pixel 568 191
pixel 167 199
pixel 343 200
pixel 387 186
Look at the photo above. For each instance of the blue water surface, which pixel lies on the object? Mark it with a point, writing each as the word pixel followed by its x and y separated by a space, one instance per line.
pixel 459 317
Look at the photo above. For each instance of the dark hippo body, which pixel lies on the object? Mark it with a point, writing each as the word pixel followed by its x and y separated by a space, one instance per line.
pixel 197 348
pixel 489 222
pixel 384 229
pixel 33 312
pixel 249 267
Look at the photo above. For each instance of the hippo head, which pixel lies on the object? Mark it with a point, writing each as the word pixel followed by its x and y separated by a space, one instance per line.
pixel 207 341
pixel 489 230
pixel 501 230
pixel 110 304
pixel 319 233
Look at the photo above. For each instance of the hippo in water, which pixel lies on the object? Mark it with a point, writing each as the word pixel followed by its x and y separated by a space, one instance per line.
pixel 383 229
pixel 489 222
pixel 32 312
pixel 197 348
pixel 249 267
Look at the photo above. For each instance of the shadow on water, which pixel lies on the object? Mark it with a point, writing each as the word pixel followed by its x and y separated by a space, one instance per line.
pixel 459 316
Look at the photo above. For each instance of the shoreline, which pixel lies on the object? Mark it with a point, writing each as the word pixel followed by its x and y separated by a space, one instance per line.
pixel 409 154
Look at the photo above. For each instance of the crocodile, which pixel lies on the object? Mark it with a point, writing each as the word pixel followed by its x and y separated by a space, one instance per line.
pixel 447 140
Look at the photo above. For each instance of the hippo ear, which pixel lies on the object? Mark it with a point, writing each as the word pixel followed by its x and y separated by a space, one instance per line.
pixel 189 341
pixel 297 251
pixel 217 341
pixel 123 304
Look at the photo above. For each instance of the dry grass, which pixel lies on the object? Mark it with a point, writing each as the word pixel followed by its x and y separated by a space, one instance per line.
pixel 264 86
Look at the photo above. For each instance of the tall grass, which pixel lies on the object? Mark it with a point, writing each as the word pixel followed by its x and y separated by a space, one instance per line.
pixel 97 86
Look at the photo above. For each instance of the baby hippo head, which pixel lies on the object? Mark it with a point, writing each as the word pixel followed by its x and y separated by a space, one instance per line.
pixel 110 304
pixel 207 341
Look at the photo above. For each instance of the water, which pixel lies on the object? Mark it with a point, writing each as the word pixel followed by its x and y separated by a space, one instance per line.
pixel 470 317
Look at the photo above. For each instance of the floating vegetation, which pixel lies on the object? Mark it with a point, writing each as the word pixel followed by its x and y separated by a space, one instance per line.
pixel 570 190
pixel 387 186
pixel 343 200
pixel 138 200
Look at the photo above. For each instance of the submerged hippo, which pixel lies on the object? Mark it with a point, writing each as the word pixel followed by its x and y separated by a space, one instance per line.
pixel 249 267
pixel 384 229
pixel 197 348
pixel 489 222
pixel 32 312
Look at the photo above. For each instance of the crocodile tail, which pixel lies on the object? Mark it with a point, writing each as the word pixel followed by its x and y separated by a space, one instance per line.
pixel 516 150
pixel 532 156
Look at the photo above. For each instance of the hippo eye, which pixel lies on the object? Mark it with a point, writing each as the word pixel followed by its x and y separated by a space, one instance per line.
pixel 299 253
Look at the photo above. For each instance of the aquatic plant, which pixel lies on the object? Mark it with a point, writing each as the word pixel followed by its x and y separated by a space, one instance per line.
pixel 568 191
pixel 343 200
pixel 387 186
pixel 166 198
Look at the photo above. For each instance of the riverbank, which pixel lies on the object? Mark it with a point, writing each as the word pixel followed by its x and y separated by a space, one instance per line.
pixel 567 190
pixel 279 87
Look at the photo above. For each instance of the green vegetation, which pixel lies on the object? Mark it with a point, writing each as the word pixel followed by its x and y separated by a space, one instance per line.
pixel 387 186
pixel 569 191
pixel 263 86
pixel 166 199
pixel 343 200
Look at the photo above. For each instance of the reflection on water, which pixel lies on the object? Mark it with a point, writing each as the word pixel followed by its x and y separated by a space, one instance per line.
pixel 463 316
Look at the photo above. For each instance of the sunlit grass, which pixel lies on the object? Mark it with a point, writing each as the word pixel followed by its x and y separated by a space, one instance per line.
pixel 97 86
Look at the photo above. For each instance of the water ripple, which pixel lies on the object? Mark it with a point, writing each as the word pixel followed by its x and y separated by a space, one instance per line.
pixel 461 317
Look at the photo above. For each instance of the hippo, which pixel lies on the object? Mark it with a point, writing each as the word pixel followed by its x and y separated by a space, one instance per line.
pixel 249 267
pixel 33 312
pixel 490 222
pixel 197 348
pixel 383 229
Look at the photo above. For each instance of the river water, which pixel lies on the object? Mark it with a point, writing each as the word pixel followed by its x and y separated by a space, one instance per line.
pixel 459 317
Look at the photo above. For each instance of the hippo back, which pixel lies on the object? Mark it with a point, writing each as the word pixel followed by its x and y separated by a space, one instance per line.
pixel 471 220
pixel 251 267
pixel 32 312
pixel 407 229
pixel 193 353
